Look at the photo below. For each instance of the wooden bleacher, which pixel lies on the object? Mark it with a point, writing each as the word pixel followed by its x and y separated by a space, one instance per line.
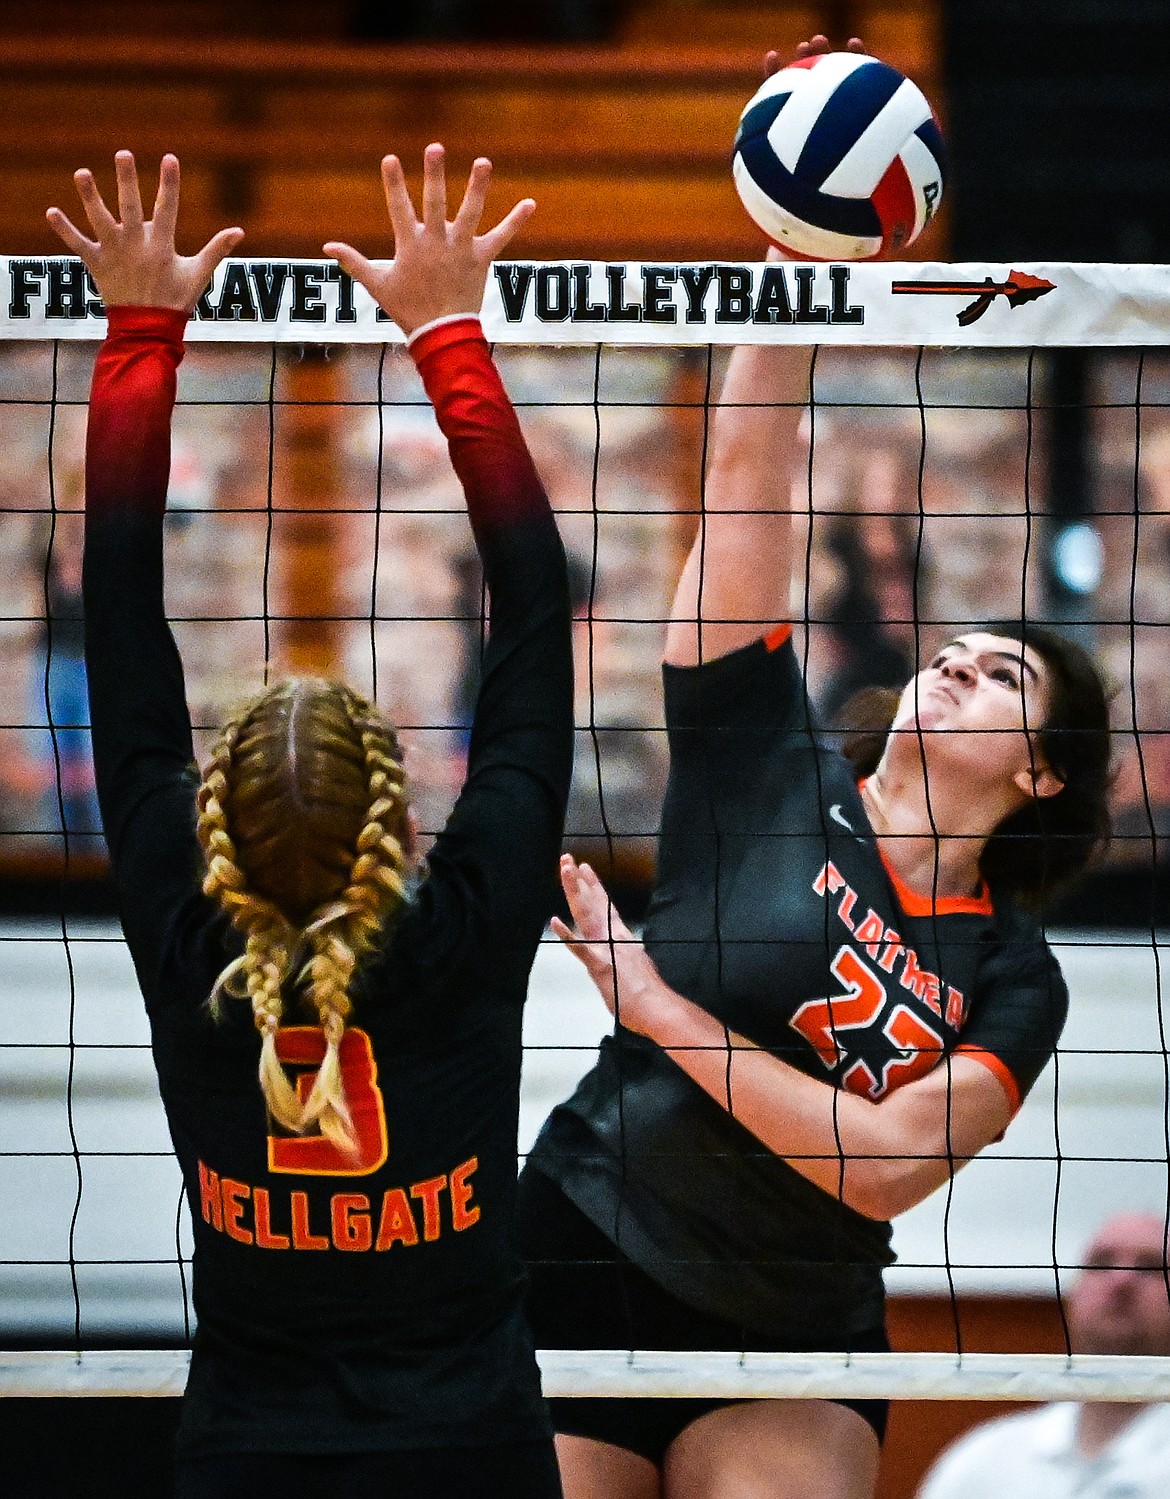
pixel 624 146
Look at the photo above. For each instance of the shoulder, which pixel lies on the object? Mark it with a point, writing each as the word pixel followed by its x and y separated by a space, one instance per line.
pixel 770 656
pixel 1018 974
pixel 759 686
pixel 1017 945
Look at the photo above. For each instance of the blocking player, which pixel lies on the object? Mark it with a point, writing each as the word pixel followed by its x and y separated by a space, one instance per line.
pixel 359 1300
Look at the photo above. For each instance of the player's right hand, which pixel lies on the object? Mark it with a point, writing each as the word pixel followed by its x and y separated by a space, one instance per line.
pixel 133 260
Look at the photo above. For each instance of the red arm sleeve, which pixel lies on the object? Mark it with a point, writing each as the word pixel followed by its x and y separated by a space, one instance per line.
pixel 128 444
pixel 487 448
pixel 510 515
pixel 141 728
pixel 505 832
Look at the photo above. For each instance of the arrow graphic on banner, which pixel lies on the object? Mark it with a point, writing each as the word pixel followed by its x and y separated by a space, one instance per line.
pixel 1017 289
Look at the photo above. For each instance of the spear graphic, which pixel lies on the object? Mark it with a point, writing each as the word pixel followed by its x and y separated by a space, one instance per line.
pixel 1017 289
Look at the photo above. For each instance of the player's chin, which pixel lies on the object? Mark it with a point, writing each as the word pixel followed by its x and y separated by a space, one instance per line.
pixel 927 716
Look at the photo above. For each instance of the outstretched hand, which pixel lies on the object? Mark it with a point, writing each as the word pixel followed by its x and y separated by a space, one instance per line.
pixel 815 47
pixel 440 266
pixel 133 260
pixel 633 990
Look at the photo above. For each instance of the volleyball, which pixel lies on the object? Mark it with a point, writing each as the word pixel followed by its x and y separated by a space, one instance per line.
pixel 839 157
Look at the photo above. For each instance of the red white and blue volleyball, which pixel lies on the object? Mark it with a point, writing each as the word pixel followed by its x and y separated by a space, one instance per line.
pixel 840 157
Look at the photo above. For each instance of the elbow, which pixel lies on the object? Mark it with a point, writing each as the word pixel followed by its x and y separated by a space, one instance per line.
pixel 735 467
pixel 866 1191
pixel 883 1187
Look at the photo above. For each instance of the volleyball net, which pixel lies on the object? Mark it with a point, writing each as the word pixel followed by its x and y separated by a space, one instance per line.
pixel 983 442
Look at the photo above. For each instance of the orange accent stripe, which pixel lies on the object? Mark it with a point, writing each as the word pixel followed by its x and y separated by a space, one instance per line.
pixel 915 904
pixel 993 1064
pixel 776 638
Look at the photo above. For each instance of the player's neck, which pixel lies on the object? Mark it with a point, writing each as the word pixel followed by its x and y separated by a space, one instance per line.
pixel 934 841
pixel 1101 1422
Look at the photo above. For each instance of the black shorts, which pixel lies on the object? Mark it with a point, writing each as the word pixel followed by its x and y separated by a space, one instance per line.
pixel 584 1293
pixel 511 1470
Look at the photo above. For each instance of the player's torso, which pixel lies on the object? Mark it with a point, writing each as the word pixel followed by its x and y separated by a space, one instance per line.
pixel 377 1290
pixel 417 1212
pixel 783 921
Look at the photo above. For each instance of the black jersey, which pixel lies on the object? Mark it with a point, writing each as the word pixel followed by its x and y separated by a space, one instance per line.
pixel 776 912
pixel 343 1303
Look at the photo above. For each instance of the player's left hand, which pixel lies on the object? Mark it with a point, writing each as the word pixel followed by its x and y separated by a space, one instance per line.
pixel 633 990
pixel 132 259
pixel 440 266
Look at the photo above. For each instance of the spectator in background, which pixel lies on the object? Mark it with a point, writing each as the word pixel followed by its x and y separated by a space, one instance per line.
pixel 865 631
pixel 1097 1450
pixel 62 770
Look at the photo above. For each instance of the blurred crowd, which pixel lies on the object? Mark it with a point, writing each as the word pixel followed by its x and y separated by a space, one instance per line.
pixel 927 484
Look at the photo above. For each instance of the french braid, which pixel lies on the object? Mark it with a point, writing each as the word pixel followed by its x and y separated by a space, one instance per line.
pixel 310 778
pixel 340 936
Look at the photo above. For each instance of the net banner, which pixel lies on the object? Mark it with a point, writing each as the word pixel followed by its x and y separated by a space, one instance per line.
pixel 583 302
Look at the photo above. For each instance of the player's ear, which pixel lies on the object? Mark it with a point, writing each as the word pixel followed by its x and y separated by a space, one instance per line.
pixel 1037 781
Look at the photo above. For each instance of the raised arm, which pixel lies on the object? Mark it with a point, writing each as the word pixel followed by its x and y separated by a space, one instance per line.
pixel 509 819
pixel 737 580
pixel 141 730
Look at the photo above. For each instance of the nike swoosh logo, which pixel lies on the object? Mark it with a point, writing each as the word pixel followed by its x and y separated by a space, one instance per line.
pixel 842 821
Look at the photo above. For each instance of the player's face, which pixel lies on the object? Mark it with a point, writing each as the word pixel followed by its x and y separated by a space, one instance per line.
pixel 1120 1303
pixel 991 690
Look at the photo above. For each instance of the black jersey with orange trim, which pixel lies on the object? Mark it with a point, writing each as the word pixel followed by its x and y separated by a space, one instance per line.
pixel 373 1301
pixel 775 911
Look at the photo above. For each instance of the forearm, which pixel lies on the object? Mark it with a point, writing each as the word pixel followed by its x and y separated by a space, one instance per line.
pixel 487 447
pixel 821 1131
pixel 137 700
pixel 756 427
pixel 765 391
pixel 510 515
pixel 524 710
pixel 737 579
pixel 128 440
pixel 864 1153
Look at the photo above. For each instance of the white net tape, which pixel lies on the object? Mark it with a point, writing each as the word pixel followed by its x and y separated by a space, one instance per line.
pixel 602 1373
pixel 582 302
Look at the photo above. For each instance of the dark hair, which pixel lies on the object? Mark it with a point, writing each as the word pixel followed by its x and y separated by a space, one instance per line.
pixel 1038 850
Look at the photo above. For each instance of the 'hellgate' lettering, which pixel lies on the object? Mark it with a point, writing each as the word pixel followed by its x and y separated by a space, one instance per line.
pixel 267 1220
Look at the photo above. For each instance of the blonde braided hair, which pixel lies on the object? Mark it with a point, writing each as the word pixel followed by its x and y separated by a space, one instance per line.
pixel 303 823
